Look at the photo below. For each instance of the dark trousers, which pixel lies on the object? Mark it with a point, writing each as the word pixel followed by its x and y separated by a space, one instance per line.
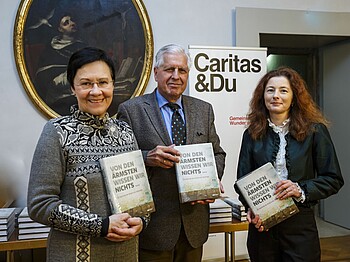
pixel 293 240
pixel 182 252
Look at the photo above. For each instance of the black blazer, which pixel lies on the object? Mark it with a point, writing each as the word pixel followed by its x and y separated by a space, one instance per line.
pixel 312 163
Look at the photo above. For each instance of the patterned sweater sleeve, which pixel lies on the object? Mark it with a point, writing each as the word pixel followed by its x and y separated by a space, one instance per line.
pixel 46 177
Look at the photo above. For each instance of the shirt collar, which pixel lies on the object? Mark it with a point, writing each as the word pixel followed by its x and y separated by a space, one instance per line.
pixel 282 128
pixel 162 101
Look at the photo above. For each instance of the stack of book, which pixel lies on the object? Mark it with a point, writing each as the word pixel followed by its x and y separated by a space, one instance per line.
pixel 238 210
pixel 220 211
pixel 7 223
pixel 28 229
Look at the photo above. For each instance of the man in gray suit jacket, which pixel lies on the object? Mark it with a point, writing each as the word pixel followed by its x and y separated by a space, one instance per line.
pixel 176 231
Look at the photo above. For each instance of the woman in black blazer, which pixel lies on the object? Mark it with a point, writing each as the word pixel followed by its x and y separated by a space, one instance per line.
pixel 287 129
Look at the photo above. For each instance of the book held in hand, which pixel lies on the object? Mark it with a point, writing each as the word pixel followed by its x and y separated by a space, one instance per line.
pixel 127 184
pixel 196 173
pixel 258 189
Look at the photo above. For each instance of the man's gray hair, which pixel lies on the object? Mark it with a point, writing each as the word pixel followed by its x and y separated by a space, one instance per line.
pixel 171 49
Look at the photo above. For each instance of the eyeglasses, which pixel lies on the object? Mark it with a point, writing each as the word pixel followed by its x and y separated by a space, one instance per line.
pixel 103 84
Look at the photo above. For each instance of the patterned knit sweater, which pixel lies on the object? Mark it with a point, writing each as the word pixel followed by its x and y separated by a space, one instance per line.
pixel 66 189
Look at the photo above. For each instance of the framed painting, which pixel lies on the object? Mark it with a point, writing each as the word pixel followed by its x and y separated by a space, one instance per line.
pixel 47 32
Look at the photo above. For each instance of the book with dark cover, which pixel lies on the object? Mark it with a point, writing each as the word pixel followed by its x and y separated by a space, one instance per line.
pixel 258 189
pixel 234 203
pixel 239 216
pixel 196 173
pixel 219 206
pixel 127 183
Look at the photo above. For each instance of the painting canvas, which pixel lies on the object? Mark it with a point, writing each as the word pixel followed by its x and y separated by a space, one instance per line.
pixel 47 32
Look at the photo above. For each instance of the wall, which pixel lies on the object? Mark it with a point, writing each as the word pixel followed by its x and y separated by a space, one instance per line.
pixel 195 22
pixel 336 93
pixel 172 21
pixel 303 22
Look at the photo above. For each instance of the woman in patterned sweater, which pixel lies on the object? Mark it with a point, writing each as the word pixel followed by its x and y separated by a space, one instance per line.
pixel 66 189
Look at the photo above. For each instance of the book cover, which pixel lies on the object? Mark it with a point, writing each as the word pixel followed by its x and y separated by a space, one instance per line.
pixel 239 217
pixel 234 203
pixel 219 206
pixel 221 214
pixel 32 230
pixel 239 213
pixel 7 214
pixel 23 216
pixel 220 219
pixel 127 183
pixel 258 189
pixel 3 226
pixel 8 230
pixel 5 234
pixel 196 173
pixel 30 224
pixel 33 236
pixel 3 238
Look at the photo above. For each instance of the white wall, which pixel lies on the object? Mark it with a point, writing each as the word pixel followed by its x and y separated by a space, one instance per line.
pixel 186 22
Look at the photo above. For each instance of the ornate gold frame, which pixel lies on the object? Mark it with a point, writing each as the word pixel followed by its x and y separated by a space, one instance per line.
pixel 26 80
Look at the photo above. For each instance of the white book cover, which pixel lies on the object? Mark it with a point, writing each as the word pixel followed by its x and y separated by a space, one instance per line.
pixel 127 183
pixel 222 214
pixel 30 224
pixel 33 236
pixel 220 219
pixel 218 204
pixel 33 230
pixel 196 173
pixel 258 189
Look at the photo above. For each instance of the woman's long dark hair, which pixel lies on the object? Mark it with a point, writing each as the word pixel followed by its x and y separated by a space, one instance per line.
pixel 303 114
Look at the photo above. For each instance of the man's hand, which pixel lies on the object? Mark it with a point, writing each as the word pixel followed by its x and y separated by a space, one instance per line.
pixel 163 156
pixel 203 202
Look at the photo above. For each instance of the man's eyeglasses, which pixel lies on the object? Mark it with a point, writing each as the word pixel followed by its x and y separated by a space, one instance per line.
pixel 101 84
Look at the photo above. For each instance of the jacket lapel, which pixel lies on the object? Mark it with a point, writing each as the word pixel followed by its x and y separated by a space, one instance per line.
pixel 156 119
pixel 190 119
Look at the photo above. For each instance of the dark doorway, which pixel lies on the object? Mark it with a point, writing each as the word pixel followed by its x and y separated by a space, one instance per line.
pixel 300 52
pixel 322 62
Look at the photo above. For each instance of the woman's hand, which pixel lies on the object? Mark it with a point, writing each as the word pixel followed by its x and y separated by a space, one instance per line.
pixel 123 227
pixel 255 220
pixel 287 188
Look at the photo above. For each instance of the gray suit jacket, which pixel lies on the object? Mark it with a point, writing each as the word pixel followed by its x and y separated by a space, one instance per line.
pixel 145 119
